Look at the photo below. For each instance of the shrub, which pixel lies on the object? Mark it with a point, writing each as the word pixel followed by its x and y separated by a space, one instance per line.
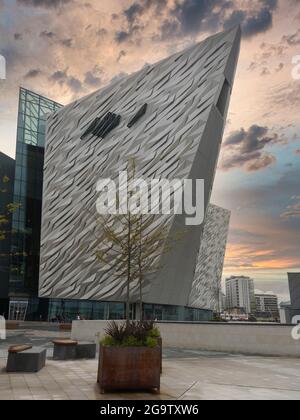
pixel 151 342
pixel 116 331
pixel 108 341
pixel 132 341
pixel 154 332
pixel 132 334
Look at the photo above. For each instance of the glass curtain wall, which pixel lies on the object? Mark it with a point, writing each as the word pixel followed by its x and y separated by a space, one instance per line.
pixel 28 185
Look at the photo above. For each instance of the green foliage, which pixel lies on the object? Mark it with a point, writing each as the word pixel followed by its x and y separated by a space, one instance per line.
pixel 132 341
pixel 118 332
pixel 5 179
pixel 154 333
pixel 151 342
pixel 6 213
pixel 131 334
pixel 108 341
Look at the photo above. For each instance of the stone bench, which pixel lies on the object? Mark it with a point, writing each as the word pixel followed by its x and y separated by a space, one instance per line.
pixel 85 350
pixel 64 349
pixel 26 359
pixel 71 350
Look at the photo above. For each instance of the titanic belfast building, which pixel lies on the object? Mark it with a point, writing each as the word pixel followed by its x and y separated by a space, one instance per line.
pixel 169 116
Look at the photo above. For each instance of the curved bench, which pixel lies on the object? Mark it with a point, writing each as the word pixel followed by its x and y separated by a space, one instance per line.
pixel 26 359
pixel 71 349
pixel 64 349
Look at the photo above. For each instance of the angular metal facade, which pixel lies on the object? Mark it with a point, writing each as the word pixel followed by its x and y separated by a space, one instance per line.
pixel 206 288
pixel 177 135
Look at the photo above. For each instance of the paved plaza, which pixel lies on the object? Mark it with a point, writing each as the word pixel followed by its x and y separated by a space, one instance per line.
pixel 186 375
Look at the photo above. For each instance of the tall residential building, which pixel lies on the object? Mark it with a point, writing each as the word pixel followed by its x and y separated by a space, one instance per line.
pixel 7 173
pixel 240 294
pixel 170 116
pixel 267 304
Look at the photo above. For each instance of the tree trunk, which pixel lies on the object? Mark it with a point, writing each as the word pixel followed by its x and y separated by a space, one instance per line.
pixel 128 272
pixel 141 297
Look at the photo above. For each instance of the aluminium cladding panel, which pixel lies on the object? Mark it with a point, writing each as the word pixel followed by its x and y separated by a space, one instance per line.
pixel 206 288
pixel 178 137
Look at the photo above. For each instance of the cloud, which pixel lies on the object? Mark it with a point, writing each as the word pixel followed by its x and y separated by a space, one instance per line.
pixel 92 80
pixel 265 72
pixel 134 16
pixel 261 22
pixel 210 15
pixel 287 95
pixel 31 74
pixel 74 84
pixel 280 67
pixel 292 211
pixel 293 39
pixel 101 32
pixel 180 18
pixel 194 15
pixel 18 36
pixel 118 77
pixel 62 77
pixel 245 149
pixel 66 42
pixel 133 12
pixel 51 36
pixel 49 4
pixel 47 34
pixel 122 54
pixel 139 8
pixel 169 29
pixel 122 36
pixel 262 162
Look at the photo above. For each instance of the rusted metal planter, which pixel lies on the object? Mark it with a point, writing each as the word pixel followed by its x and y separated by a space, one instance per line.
pixel 129 368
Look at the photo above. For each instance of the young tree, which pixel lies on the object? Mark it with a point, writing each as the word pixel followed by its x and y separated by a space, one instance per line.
pixel 116 243
pixel 150 244
pixel 116 248
pixel 129 246
pixel 131 249
pixel 6 212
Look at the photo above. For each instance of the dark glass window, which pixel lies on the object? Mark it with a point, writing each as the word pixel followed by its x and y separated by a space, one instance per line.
pixel 224 98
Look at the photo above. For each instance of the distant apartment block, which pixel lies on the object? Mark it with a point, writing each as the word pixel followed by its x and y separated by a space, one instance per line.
pixel 267 304
pixel 240 294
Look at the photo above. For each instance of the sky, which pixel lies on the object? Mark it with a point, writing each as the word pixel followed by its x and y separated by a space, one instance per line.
pixel 65 49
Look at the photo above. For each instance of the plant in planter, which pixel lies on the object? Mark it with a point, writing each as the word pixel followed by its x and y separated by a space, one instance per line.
pixel 130 357
pixel 130 248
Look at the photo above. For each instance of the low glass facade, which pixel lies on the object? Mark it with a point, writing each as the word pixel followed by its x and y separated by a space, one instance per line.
pixel 66 310
pixel 176 313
